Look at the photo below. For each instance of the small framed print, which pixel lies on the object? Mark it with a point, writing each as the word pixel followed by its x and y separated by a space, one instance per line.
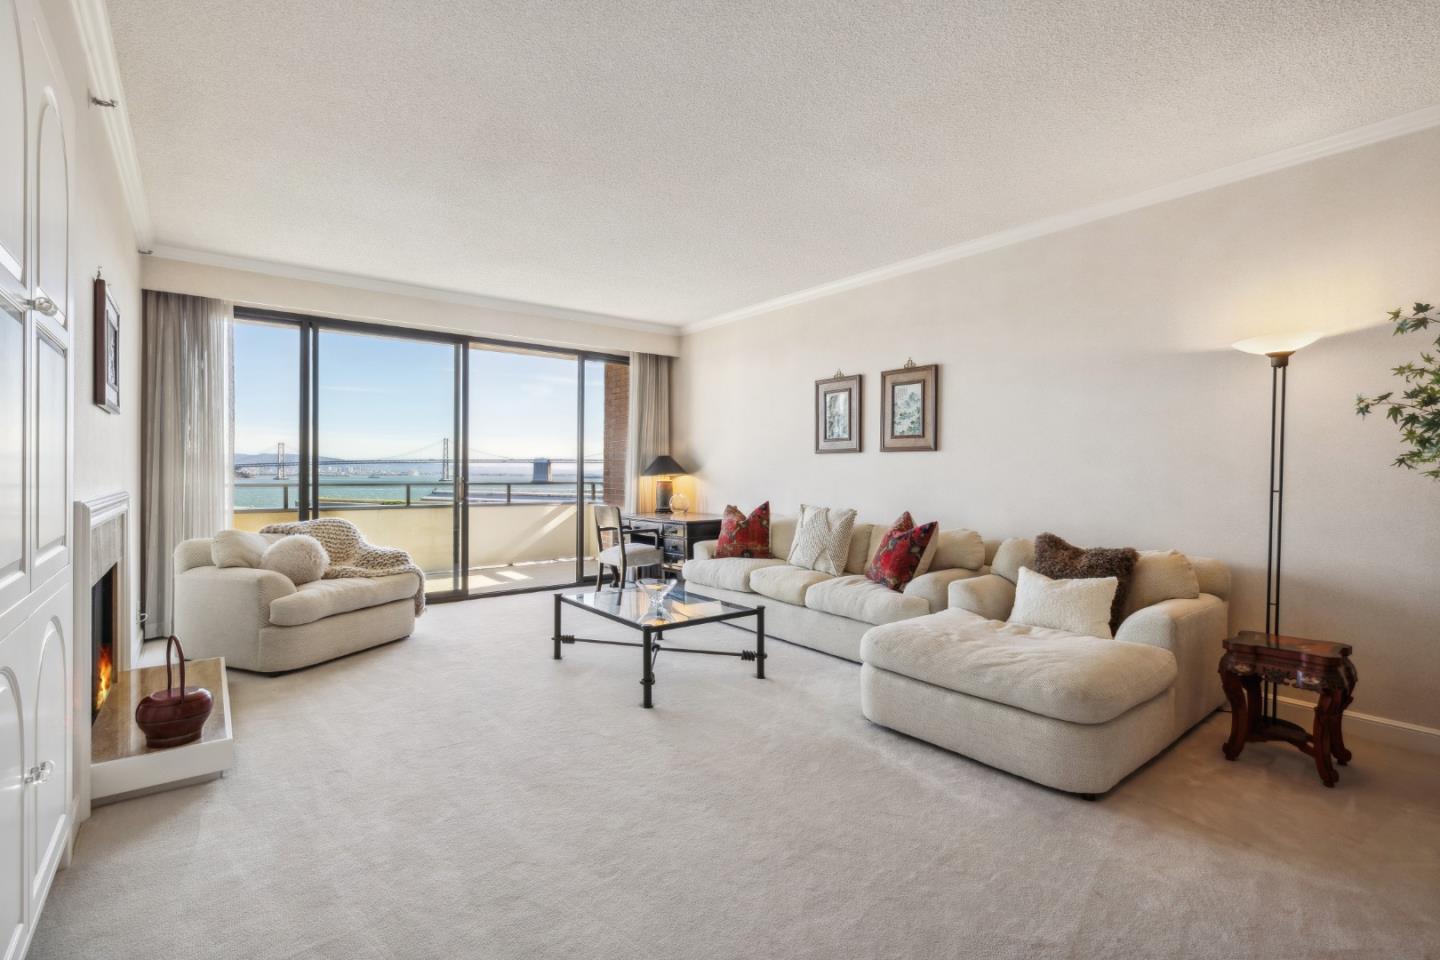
pixel 837 414
pixel 909 408
pixel 107 349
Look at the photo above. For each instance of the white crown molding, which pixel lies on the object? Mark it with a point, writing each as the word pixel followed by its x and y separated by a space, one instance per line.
pixel 104 78
pixel 397 288
pixel 1279 160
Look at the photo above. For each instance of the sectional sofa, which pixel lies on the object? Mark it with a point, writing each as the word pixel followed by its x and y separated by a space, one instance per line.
pixel 940 662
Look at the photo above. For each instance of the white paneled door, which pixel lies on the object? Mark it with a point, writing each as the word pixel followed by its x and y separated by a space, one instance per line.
pixel 37 298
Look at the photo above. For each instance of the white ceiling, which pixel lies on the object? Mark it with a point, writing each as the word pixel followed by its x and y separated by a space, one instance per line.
pixel 671 161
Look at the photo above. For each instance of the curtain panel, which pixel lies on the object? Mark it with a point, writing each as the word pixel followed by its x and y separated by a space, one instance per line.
pixel 187 431
pixel 649 426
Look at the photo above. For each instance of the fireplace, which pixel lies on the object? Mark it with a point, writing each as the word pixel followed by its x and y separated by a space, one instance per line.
pixel 103 655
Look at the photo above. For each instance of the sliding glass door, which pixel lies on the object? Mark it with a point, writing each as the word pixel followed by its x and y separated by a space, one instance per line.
pixel 480 459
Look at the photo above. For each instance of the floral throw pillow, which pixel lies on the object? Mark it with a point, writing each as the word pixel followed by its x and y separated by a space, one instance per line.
pixel 895 563
pixel 742 536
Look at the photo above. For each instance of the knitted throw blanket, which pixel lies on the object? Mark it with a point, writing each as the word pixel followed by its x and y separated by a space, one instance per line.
pixel 350 555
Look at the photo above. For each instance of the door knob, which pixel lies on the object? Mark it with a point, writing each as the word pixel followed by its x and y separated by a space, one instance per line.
pixel 41 773
pixel 41 305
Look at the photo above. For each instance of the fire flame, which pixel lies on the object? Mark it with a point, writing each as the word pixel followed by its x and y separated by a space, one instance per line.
pixel 106 673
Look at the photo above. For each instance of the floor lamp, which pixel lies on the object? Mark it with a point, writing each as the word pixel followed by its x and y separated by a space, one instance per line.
pixel 1279 348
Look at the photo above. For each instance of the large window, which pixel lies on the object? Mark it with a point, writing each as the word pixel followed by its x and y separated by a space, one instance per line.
pixel 477 458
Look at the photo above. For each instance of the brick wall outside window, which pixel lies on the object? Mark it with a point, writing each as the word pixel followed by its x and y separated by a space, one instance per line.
pixel 617 429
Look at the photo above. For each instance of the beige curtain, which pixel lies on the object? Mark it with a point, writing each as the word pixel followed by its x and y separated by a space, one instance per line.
pixel 649 426
pixel 187 438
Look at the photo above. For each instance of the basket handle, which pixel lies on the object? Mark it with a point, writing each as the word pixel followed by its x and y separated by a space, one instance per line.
pixel 174 642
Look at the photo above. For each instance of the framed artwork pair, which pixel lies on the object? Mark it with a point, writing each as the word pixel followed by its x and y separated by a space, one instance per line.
pixel 909 410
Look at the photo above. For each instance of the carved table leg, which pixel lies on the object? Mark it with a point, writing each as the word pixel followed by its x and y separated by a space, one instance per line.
pixel 1239 714
pixel 1326 712
pixel 1337 738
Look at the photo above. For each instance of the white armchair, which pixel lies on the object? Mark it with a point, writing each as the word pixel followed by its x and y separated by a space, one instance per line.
pixel 258 620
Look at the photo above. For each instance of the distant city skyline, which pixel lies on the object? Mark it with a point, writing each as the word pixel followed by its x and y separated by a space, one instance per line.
pixel 382 397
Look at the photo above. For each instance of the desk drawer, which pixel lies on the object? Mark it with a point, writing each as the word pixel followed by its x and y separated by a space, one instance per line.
pixel 673 530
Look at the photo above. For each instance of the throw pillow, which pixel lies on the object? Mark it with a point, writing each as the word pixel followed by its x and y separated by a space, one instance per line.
pixel 822 539
pixel 742 536
pixel 298 557
pixel 897 562
pixel 1161 575
pixel 1075 606
pixel 1060 560
pixel 237 548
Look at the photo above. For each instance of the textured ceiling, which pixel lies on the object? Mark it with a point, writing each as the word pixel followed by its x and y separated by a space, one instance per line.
pixel 671 161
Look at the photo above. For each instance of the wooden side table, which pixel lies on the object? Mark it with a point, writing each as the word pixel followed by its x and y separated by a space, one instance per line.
pixel 1325 668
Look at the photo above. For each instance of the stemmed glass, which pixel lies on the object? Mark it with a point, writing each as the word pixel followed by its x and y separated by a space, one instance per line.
pixel 656 591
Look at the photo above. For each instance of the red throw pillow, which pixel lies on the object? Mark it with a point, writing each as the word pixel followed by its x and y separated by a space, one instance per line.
pixel 742 536
pixel 895 563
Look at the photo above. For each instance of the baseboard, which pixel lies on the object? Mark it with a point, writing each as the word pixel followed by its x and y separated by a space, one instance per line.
pixel 1411 736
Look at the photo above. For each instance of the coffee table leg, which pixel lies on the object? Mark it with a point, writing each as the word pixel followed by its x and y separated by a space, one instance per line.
pixel 647 678
pixel 760 643
pixel 557 626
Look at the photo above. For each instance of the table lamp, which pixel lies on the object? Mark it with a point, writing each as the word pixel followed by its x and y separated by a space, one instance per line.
pixel 665 469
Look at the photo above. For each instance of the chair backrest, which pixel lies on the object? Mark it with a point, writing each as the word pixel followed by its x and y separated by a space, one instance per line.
pixel 607 525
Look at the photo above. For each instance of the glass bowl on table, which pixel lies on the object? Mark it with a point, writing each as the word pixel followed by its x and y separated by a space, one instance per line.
pixel 655 591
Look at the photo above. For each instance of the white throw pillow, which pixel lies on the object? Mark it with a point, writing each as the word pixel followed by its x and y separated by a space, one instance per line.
pixel 298 557
pixel 822 539
pixel 1161 575
pixel 237 548
pixel 1076 606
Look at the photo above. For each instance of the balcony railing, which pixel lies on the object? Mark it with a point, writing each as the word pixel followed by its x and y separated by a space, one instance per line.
pixel 431 493
pixel 534 522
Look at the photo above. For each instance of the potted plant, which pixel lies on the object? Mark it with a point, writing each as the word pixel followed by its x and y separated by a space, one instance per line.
pixel 1416 410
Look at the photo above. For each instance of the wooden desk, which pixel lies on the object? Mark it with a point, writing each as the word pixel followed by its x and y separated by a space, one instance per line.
pixel 676 533
pixel 1315 665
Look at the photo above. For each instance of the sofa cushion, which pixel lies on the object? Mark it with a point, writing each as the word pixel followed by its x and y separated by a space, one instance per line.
pixel 958 549
pixel 785 583
pixel 1060 560
pixel 1011 555
pixel 1161 575
pixel 1049 672
pixel 238 548
pixel 782 534
pixel 857 598
pixel 726 573
pixel 325 598
pixel 857 558
pixel 897 560
pixel 742 536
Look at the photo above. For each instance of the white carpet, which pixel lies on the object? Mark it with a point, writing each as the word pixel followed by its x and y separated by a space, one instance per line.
pixel 460 794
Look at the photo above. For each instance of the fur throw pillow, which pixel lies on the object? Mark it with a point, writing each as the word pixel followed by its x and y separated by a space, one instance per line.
pixel 298 557
pixel 1059 560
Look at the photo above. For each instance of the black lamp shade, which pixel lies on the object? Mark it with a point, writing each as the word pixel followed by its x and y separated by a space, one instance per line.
pixel 662 466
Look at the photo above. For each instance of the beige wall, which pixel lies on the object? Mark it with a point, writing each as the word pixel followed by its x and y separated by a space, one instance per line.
pixel 353 303
pixel 107 446
pixel 1087 388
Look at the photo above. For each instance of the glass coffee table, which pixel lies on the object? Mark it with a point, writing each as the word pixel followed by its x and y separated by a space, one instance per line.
pixel 680 609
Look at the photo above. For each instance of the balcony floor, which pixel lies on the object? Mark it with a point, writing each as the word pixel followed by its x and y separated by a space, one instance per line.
pixel 515 576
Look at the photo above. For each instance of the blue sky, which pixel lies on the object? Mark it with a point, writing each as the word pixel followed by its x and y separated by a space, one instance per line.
pixel 380 397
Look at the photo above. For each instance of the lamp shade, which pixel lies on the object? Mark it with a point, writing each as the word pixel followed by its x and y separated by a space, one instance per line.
pixel 1271 344
pixel 662 466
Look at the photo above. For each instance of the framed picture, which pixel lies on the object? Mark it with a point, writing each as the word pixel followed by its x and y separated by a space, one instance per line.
pixel 107 349
pixel 837 414
pixel 909 408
